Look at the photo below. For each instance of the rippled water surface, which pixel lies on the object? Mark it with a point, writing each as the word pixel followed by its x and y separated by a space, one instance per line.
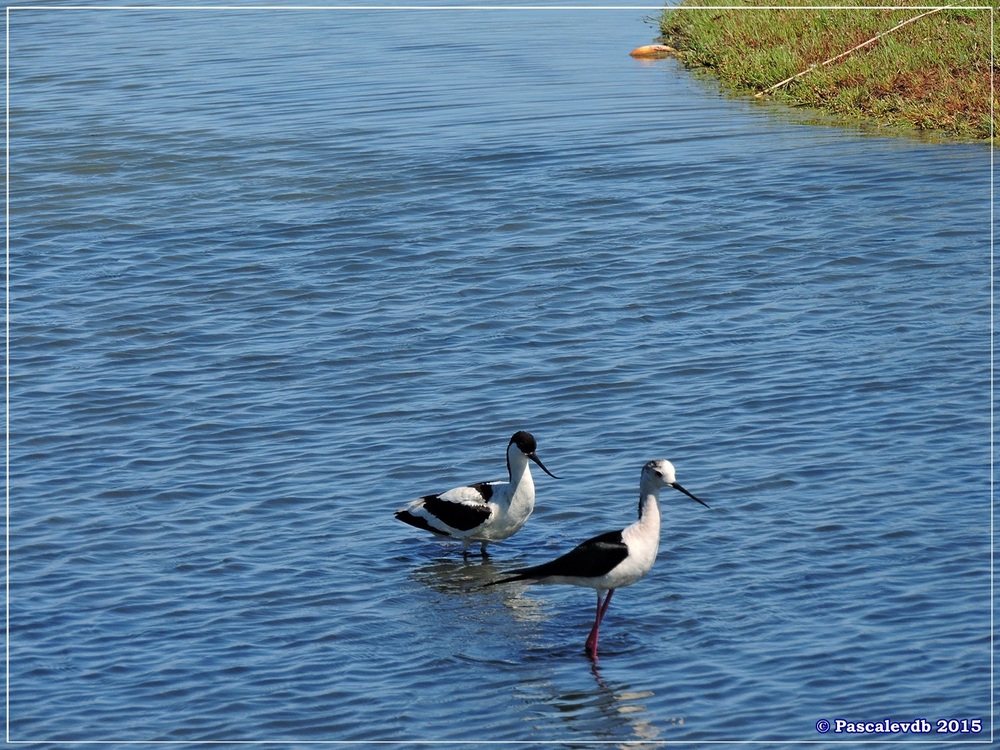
pixel 275 273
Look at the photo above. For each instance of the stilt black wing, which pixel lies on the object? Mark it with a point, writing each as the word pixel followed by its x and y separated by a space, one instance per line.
pixel 592 559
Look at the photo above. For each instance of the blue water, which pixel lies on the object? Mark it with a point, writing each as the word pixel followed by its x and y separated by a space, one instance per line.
pixel 273 274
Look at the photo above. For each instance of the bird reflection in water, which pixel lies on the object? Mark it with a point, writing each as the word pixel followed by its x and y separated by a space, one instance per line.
pixel 623 713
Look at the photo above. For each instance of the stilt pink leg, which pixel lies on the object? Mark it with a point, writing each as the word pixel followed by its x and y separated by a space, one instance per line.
pixel 607 601
pixel 591 645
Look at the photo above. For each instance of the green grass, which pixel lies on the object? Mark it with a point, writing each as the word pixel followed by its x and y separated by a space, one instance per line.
pixel 932 75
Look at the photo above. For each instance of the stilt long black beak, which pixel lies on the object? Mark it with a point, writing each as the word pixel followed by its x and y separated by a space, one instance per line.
pixel 681 489
pixel 538 461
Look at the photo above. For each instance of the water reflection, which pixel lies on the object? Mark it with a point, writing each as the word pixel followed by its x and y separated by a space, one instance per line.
pixel 597 709
pixel 622 703
pixel 552 674
pixel 455 576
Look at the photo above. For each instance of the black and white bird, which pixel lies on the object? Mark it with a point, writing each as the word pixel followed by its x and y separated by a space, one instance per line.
pixel 486 511
pixel 614 559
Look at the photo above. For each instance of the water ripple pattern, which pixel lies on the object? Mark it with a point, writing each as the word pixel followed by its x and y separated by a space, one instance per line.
pixel 275 274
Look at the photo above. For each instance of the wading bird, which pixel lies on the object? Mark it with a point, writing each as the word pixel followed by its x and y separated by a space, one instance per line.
pixel 484 512
pixel 613 559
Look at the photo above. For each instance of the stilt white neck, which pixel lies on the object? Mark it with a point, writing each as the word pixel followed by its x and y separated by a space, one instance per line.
pixel 649 510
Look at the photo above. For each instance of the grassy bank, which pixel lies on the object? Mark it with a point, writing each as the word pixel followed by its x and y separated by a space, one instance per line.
pixel 932 74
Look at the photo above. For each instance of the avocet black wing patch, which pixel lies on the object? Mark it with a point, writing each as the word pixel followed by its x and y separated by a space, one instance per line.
pixel 419 521
pixel 457 514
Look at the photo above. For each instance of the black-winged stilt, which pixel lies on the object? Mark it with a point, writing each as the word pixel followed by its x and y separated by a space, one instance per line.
pixel 486 511
pixel 613 559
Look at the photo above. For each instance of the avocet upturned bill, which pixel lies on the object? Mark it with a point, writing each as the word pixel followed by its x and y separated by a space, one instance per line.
pixel 614 559
pixel 486 511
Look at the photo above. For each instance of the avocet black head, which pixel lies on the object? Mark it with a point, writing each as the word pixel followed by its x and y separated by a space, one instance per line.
pixel 661 473
pixel 525 442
